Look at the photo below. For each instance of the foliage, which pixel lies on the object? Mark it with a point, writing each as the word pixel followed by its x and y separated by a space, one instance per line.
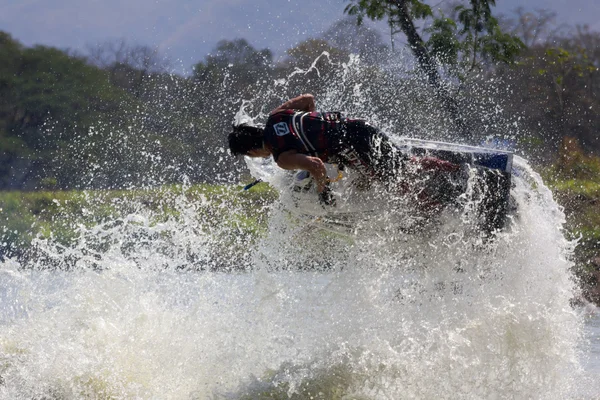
pixel 362 40
pixel 116 126
pixel 554 88
pixel 574 181
pixel 483 36
pixel 443 42
pixel 480 35
pixel 48 100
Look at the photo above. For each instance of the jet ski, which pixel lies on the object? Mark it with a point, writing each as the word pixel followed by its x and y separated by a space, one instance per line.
pixel 478 194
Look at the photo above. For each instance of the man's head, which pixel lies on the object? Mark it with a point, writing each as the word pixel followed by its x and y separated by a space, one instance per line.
pixel 246 140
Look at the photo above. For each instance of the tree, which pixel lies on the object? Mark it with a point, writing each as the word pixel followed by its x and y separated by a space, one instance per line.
pixel 236 61
pixel 14 154
pixel 482 36
pixel 233 71
pixel 401 16
pixel 128 66
pixel 362 40
pixel 554 88
pixel 119 52
pixel 62 122
pixel 532 28
pixel 310 66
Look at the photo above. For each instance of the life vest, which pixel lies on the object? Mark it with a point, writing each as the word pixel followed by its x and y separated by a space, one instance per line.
pixel 312 133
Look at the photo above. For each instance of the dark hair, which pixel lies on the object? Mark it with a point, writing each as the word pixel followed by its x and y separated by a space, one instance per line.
pixel 244 138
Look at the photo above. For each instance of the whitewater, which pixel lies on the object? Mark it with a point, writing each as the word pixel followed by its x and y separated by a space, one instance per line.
pixel 312 315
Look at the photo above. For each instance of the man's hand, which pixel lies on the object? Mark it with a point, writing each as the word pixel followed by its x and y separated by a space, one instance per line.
pixel 315 166
pixel 327 198
pixel 292 160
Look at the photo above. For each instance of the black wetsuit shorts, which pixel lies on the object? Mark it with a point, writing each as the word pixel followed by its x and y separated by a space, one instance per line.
pixel 365 148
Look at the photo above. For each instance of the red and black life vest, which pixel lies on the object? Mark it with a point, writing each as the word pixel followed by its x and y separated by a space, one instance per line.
pixel 312 133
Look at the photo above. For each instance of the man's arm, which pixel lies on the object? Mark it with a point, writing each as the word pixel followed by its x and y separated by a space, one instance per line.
pixel 293 160
pixel 305 102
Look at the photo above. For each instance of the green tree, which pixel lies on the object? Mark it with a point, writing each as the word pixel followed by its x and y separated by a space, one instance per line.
pixel 235 65
pixel 401 15
pixel 14 153
pixel 50 100
pixel 310 67
pixel 233 71
pixel 553 89
pixel 482 36
pixel 129 66
pixel 362 40
pixel 445 42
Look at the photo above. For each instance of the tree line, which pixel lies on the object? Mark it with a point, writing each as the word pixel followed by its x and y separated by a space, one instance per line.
pixel 116 117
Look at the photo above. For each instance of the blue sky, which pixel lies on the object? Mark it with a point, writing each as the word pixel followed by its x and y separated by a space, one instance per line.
pixel 187 30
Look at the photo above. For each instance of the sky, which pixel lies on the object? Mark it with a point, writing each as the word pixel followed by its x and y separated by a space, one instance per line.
pixel 184 31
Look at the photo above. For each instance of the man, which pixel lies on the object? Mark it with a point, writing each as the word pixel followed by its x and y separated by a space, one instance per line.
pixel 300 138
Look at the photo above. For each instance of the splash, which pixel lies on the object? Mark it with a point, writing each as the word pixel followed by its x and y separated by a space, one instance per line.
pixel 194 305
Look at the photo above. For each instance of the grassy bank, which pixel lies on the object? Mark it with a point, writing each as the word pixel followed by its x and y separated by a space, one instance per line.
pixel 62 216
pixel 581 201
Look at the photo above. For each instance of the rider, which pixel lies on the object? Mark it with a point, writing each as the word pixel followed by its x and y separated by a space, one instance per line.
pixel 300 138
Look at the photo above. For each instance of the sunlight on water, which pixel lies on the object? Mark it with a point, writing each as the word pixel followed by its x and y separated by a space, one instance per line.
pixel 303 314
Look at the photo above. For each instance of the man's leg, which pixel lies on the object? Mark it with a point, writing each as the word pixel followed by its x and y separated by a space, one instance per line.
pixel 375 150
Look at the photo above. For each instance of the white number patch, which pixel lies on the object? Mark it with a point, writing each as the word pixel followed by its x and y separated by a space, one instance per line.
pixel 281 129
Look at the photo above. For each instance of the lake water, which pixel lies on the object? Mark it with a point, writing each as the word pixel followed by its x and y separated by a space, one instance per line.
pixel 279 335
pixel 592 350
pixel 439 315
